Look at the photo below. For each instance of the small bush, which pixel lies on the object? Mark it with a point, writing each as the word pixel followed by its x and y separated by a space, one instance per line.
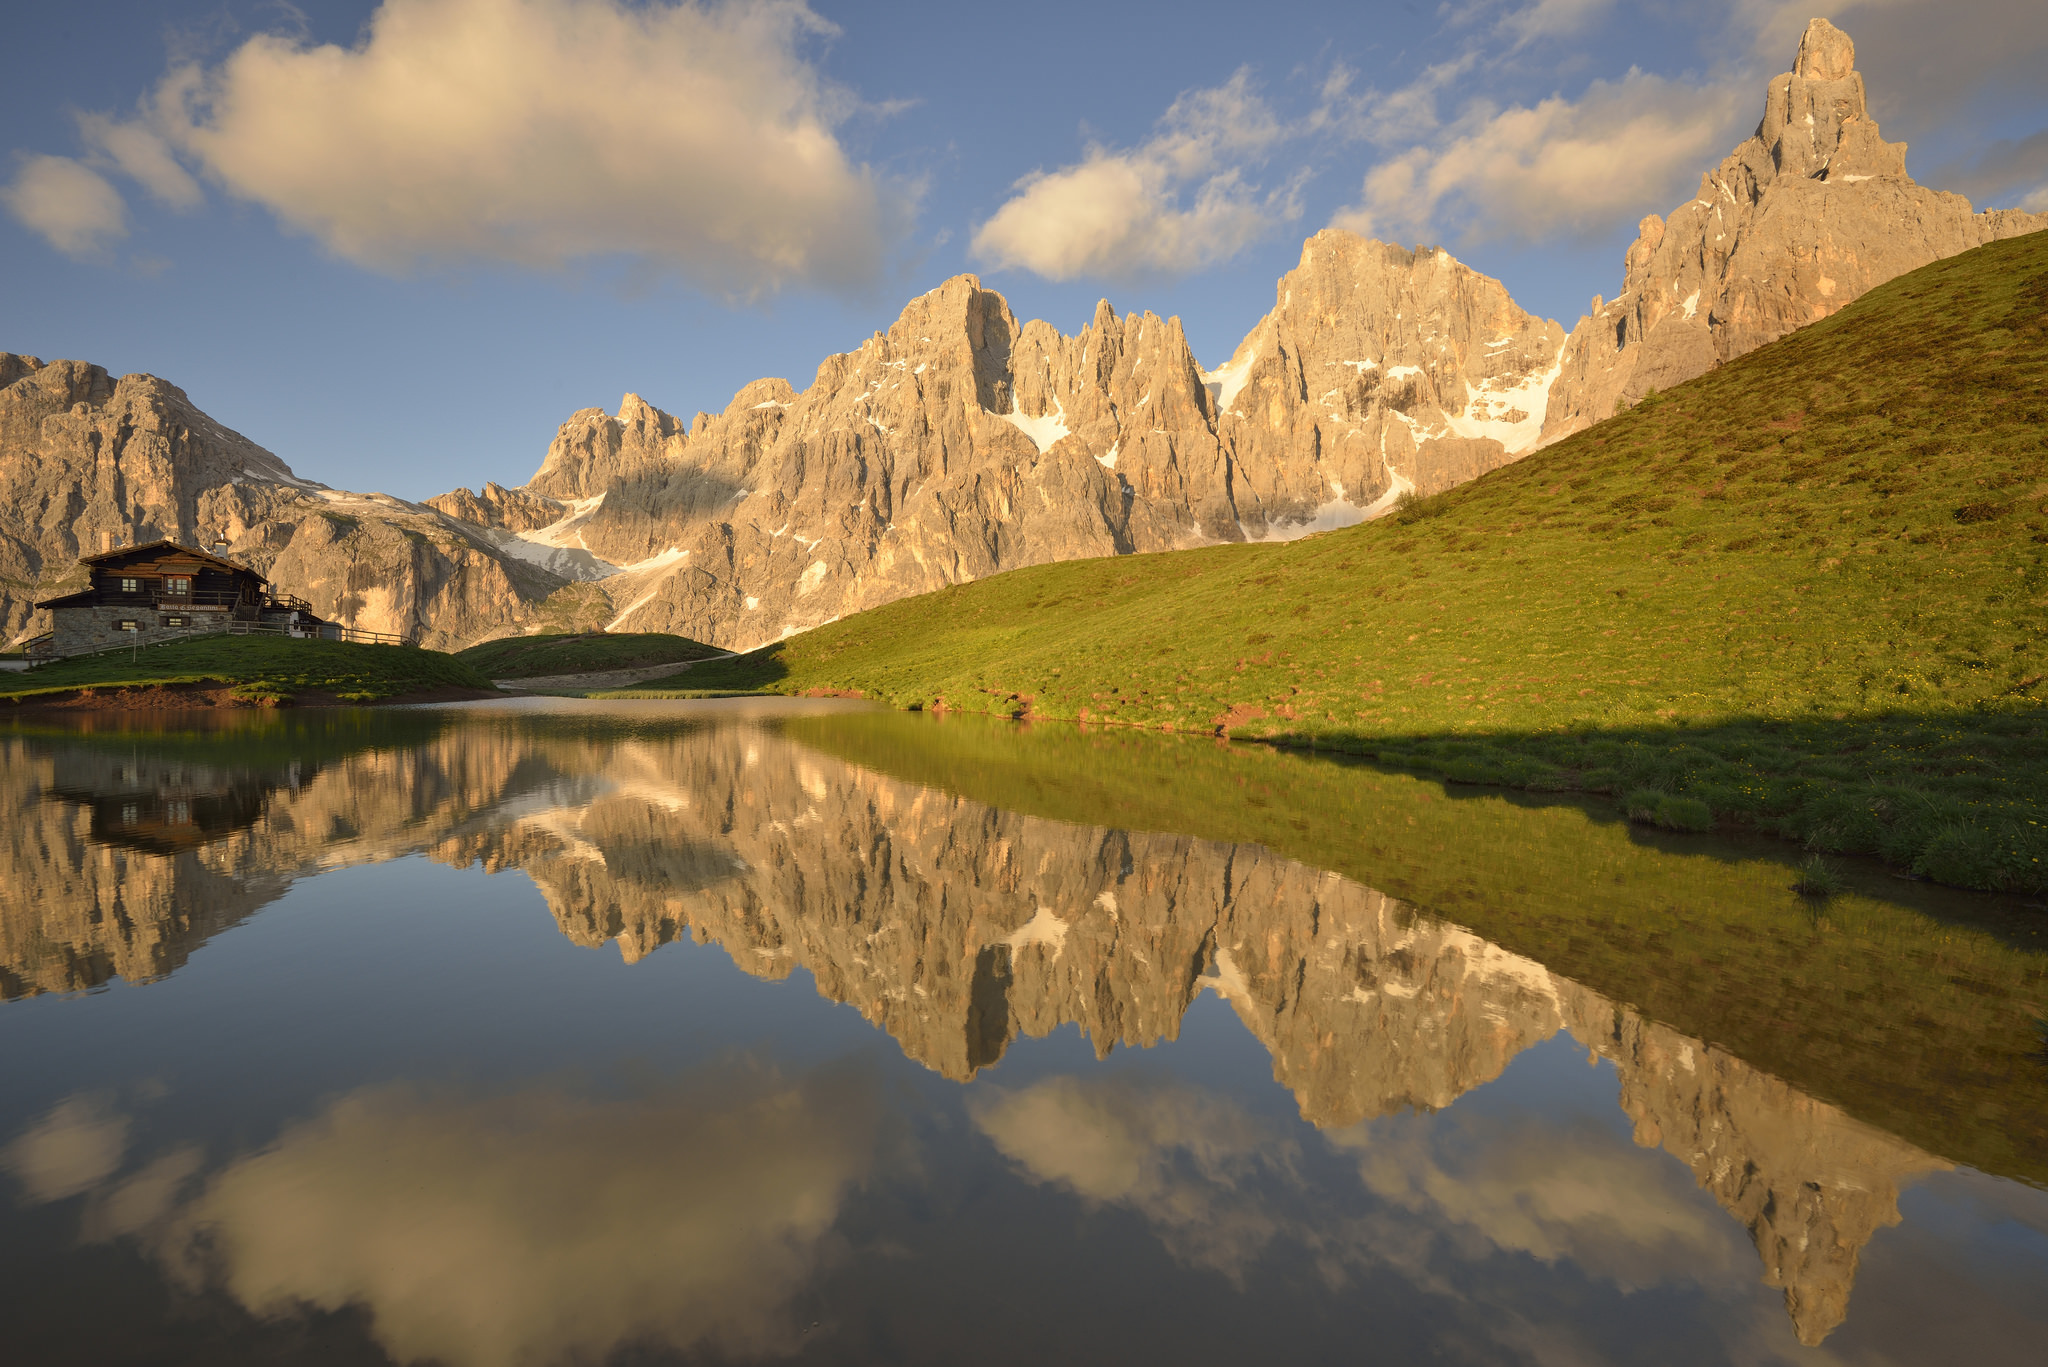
pixel 1410 509
pixel 1982 512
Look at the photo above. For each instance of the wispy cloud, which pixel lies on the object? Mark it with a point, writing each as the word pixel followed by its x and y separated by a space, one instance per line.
pixel 1572 166
pixel 2011 171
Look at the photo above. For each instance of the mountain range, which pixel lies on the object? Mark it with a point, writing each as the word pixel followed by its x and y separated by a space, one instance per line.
pixel 961 443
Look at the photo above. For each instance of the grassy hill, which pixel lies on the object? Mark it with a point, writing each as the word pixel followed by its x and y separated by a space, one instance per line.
pixel 259 668
pixel 1805 591
pixel 530 657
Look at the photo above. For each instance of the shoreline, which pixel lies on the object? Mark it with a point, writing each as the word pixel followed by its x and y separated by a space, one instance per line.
pixel 207 695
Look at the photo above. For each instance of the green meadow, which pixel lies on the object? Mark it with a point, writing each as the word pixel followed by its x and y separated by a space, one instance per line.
pixel 528 657
pixel 1803 593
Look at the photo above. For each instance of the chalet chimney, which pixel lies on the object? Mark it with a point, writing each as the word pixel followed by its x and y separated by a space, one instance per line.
pixel 106 541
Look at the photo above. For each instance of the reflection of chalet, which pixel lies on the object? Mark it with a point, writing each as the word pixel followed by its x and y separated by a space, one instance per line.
pixel 160 804
pixel 164 592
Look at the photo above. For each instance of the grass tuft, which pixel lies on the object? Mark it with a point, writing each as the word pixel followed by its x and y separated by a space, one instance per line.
pixel 1818 879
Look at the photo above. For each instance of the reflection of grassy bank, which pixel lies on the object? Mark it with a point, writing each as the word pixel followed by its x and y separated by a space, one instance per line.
pixel 1895 1000
pixel 1805 590
pixel 260 669
pixel 254 738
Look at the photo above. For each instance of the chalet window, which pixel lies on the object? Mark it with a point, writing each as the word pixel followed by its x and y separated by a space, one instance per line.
pixel 176 619
pixel 130 584
pixel 178 813
pixel 127 624
pixel 178 585
pixel 130 813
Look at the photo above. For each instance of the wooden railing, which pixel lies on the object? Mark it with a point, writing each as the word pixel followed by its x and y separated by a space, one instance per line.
pixel 325 632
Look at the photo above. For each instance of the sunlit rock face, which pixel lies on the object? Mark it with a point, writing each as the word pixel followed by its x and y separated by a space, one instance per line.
pixel 961 443
pixel 1811 212
pixel 88 462
pixel 955 927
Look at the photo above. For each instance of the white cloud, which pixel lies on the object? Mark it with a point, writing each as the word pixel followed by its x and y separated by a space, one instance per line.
pixel 1179 202
pixel 1571 166
pixel 689 137
pixel 2037 202
pixel 71 205
pixel 142 156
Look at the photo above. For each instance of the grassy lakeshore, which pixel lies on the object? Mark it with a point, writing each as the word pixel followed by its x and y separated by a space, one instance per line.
pixel 590 652
pixel 1804 592
pixel 256 669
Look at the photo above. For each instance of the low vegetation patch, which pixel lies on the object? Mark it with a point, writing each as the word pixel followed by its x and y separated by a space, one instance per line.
pixel 1805 592
pixel 255 669
pixel 591 652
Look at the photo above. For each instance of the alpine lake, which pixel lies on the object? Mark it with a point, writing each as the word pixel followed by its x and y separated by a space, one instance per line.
pixel 554 1032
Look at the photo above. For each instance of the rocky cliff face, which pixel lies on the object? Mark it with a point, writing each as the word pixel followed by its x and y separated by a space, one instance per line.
pixel 88 461
pixel 962 443
pixel 1812 211
pixel 954 927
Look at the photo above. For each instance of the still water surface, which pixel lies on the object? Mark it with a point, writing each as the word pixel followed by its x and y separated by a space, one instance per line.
pixel 723 1033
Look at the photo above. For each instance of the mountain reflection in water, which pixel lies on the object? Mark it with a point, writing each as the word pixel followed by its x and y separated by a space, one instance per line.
pixel 483 1226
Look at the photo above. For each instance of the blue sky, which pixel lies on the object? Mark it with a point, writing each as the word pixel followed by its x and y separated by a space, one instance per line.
pixel 399 243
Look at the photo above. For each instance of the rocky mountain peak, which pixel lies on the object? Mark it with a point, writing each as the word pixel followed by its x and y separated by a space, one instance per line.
pixel 1798 221
pixel 1825 53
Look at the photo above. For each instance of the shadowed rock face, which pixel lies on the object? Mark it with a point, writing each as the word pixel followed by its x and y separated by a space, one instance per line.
pixel 954 927
pixel 88 461
pixel 1811 212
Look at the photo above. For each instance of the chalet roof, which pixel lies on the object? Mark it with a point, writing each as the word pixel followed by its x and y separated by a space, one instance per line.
pixel 168 545
pixel 82 598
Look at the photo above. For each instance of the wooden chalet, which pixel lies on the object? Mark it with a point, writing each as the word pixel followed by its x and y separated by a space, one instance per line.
pixel 164 591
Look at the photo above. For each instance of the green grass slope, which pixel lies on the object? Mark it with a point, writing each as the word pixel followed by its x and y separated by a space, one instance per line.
pixel 1916 1008
pixel 1804 591
pixel 260 668
pixel 530 657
